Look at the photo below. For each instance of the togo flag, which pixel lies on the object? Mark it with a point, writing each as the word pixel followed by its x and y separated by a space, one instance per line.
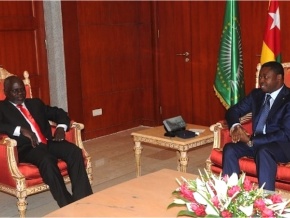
pixel 271 44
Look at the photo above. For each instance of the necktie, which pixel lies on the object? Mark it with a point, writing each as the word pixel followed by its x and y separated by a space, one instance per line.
pixel 263 115
pixel 33 123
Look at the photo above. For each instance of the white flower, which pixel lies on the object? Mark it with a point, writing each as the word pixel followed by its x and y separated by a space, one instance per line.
pixel 201 199
pixel 221 188
pixel 248 210
pixel 210 209
pixel 233 180
pixel 216 194
pixel 286 213
pixel 279 207
pixel 200 185
pixel 178 201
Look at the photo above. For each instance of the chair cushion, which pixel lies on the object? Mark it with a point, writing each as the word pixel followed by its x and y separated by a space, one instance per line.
pixel 248 166
pixel 31 172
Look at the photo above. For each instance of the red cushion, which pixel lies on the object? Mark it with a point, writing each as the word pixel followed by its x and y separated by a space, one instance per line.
pixel 30 171
pixel 248 166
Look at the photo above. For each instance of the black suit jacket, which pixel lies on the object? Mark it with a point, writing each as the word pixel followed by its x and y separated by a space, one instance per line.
pixel 11 117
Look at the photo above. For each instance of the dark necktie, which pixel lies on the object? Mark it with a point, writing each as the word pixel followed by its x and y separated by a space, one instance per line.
pixel 33 122
pixel 263 115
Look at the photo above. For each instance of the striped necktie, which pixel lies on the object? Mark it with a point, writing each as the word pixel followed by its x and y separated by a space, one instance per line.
pixel 263 115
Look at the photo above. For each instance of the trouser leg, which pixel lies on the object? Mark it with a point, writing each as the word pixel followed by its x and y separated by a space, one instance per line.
pixel 73 156
pixel 50 173
pixel 267 157
pixel 232 152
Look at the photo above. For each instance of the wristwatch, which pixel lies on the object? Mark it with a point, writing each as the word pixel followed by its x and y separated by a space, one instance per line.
pixel 250 142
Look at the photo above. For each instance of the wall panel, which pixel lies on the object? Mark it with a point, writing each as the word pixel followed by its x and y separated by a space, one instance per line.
pixel 22 40
pixel 114 41
pixel 110 59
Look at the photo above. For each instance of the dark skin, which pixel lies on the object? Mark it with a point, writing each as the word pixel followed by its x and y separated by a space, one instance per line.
pixel 15 92
pixel 269 82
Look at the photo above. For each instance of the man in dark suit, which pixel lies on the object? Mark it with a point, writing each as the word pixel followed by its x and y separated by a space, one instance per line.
pixel 41 148
pixel 270 144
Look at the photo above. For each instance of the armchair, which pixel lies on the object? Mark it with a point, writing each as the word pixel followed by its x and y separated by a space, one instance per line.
pixel 23 179
pixel 247 164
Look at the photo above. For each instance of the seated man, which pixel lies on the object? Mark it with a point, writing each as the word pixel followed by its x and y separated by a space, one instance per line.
pixel 270 142
pixel 27 121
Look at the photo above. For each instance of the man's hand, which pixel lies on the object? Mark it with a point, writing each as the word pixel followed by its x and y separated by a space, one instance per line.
pixel 31 135
pixel 59 134
pixel 239 134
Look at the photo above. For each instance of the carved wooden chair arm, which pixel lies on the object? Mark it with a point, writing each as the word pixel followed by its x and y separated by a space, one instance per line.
pixel 216 129
pixel 9 158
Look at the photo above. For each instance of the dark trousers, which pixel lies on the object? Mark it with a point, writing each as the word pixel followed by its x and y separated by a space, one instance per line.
pixel 266 158
pixel 45 157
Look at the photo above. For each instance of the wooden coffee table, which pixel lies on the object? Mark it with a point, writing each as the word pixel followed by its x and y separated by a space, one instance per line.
pixel 155 136
pixel 145 196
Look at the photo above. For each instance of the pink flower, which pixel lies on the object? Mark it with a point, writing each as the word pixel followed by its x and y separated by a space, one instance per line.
pixel 186 193
pixel 247 185
pixel 276 198
pixel 199 210
pixel 268 213
pixel 233 190
pixel 225 178
pixel 226 214
pixel 215 201
pixel 259 204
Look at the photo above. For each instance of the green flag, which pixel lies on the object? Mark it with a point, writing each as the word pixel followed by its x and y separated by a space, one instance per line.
pixel 229 81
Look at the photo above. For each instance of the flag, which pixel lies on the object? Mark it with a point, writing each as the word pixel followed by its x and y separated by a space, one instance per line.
pixel 271 44
pixel 229 80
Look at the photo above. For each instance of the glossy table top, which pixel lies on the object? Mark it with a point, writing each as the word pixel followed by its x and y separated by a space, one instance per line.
pixel 145 196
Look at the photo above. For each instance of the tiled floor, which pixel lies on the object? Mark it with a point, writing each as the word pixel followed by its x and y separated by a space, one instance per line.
pixel 113 162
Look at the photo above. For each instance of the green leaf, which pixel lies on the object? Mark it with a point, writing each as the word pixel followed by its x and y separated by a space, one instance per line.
pixel 186 213
pixel 176 192
pixel 174 205
pixel 212 216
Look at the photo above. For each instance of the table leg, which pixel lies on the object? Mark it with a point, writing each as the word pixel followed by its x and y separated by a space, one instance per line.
pixel 178 160
pixel 138 150
pixel 183 160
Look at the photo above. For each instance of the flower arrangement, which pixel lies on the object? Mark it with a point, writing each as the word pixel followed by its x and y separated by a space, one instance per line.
pixel 210 195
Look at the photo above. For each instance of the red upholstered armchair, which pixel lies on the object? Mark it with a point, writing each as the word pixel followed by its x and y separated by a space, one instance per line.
pixel 23 179
pixel 247 165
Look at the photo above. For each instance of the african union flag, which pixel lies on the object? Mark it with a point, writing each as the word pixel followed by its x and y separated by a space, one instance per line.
pixel 229 81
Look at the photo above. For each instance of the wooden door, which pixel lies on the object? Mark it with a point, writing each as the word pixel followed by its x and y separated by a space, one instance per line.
pixel 22 40
pixel 174 59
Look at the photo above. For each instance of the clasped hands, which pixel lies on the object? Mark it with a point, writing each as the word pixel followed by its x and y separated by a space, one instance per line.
pixel 59 135
pixel 239 134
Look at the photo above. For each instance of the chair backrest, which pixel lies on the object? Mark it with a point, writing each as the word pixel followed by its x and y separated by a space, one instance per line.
pixel 4 74
pixel 286 66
